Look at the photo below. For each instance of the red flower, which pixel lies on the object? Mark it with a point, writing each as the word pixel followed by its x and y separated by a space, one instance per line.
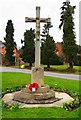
pixel 30 87
pixel 34 85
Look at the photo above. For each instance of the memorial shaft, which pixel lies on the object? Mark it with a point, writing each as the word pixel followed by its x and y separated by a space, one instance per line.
pixel 37 44
pixel 38 20
pixel 37 71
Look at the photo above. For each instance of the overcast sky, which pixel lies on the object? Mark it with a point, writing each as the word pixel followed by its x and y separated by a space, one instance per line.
pixel 17 10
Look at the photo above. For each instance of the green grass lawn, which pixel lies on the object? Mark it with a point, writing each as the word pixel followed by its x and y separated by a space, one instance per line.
pixel 47 112
pixel 17 79
pixel 62 66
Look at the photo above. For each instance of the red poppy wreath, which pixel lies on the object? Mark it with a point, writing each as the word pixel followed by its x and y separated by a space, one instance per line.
pixel 33 87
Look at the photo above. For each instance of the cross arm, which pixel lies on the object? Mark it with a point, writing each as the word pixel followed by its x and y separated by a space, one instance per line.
pixel 27 19
pixel 44 20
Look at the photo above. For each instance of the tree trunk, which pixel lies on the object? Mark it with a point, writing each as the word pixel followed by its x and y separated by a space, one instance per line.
pixel 71 65
pixel 48 65
pixel 30 64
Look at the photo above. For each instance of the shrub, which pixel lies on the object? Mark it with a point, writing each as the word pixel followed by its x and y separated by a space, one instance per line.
pixel 77 61
pixel 57 60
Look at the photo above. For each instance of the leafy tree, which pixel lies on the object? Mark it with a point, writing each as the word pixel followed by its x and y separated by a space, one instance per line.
pixel 45 31
pixel 69 43
pixel 9 42
pixel 79 49
pixel 48 47
pixel 28 53
pixel 57 60
pixel 77 60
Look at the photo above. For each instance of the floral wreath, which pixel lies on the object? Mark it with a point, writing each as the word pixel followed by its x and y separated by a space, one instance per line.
pixel 33 87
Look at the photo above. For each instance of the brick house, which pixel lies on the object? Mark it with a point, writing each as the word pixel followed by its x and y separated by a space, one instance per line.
pixel 3 52
pixel 59 51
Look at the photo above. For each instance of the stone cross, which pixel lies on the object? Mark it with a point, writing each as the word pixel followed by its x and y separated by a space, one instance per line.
pixel 37 43
pixel 43 94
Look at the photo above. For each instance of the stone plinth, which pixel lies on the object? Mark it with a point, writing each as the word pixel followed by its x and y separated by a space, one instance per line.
pixel 41 89
pixel 64 98
pixel 42 95
pixel 37 75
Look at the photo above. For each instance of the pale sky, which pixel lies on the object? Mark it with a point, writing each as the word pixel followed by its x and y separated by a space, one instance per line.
pixel 17 10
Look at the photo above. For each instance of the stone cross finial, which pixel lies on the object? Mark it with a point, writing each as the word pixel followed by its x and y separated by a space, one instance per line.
pixel 37 42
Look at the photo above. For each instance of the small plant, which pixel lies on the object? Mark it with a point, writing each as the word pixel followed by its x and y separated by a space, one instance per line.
pixel 76 103
pixel 15 105
pixel 68 106
pixel 71 105
pixel 10 106
pixel 3 104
